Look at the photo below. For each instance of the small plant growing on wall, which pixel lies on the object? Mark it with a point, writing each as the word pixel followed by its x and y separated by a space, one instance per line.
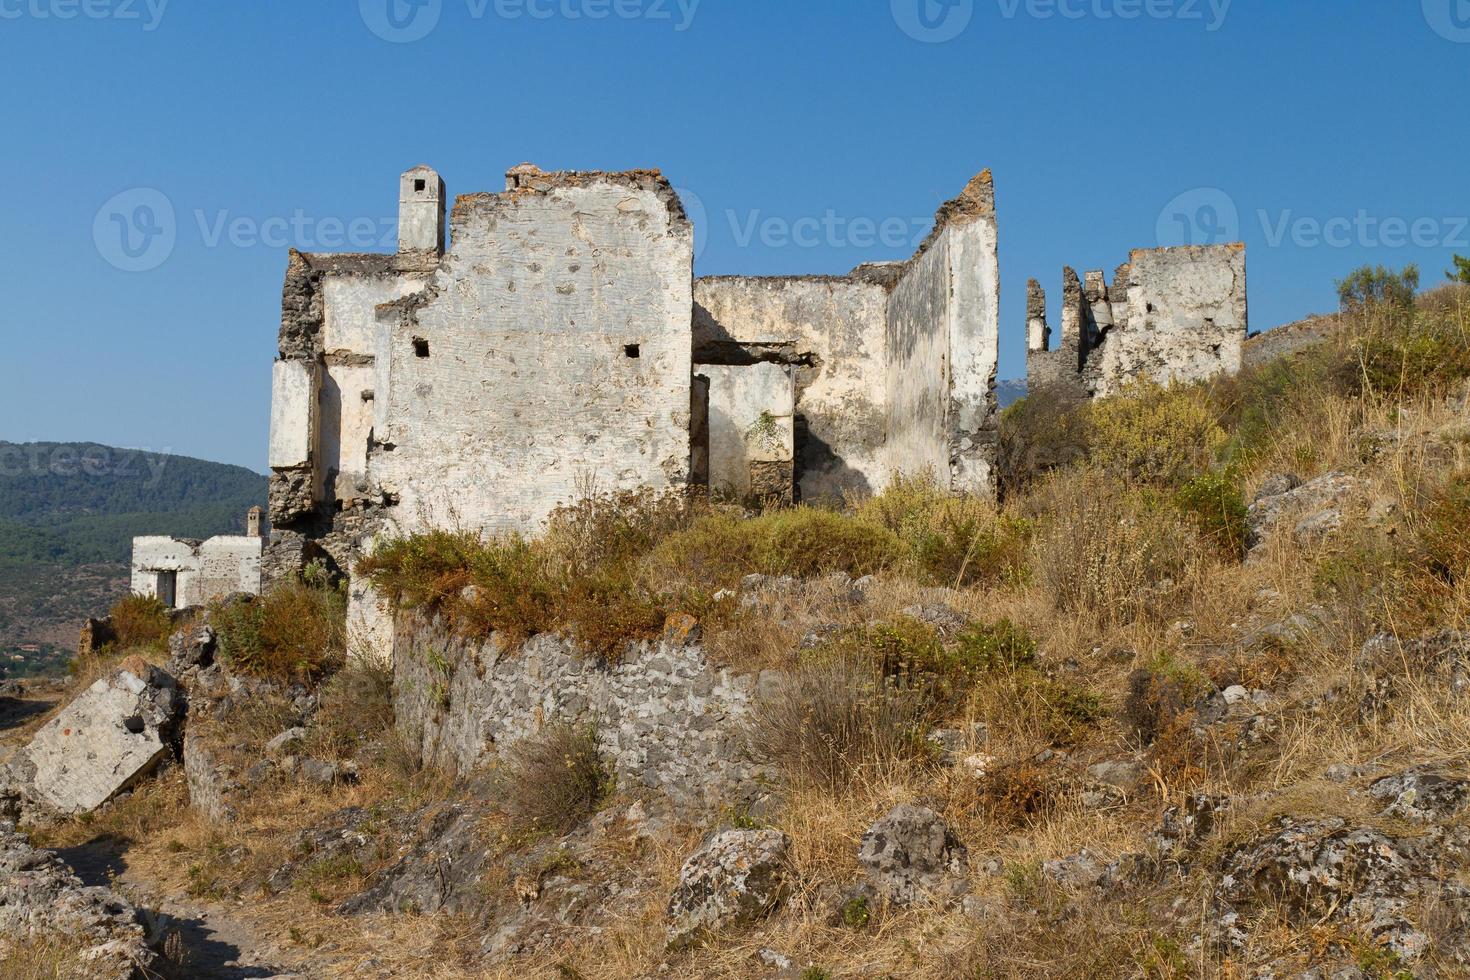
pixel 764 432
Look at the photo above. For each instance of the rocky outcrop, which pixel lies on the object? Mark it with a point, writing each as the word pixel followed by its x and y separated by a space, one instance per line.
pixel 1422 795
pixel 108 738
pixel 1315 871
pixel 42 899
pixel 737 877
pixel 1317 506
pixel 911 856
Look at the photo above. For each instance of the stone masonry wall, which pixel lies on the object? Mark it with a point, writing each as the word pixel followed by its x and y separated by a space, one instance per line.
pixel 831 329
pixel 1171 314
pixel 666 719
pixel 550 352
pixel 896 361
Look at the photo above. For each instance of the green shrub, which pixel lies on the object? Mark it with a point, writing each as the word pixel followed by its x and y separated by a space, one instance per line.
pixel 295 631
pixel 1442 530
pixel 140 623
pixel 720 549
pixel 1413 354
pixel 552 781
pixel 1461 272
pixel 1045 431
pixel 1216 505
pixel 1375 286
pixel 1004 646
pixel 1155 434
pixel 951 540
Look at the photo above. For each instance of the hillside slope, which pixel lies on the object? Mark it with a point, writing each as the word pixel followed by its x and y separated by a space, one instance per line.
pixel 68 514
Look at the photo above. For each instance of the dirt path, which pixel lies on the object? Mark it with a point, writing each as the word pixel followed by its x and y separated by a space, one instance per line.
pixel 219 944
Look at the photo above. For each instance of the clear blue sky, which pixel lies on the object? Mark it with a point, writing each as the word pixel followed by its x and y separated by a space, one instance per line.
pixel 1095 115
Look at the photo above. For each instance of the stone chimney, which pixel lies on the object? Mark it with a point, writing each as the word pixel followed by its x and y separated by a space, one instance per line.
pixel 252 522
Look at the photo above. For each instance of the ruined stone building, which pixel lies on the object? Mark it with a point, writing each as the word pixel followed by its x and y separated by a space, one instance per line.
pixel 530 346
pixel 552 339
pixel 1171 314
pixel 181 572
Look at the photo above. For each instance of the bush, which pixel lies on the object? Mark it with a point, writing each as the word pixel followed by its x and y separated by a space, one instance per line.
pixel 140 623
pixel 1159 696
pixel 1441 537
pixel 1425 352
pixel 1156 435
pixel 1375 286
pixel 295 631
pixel 1216 505
pixel 951 541
pixel 720 549
pixel 1047 430
pixel 1001 647
pixel 836 719
pixel 1109 551
pixel 552 781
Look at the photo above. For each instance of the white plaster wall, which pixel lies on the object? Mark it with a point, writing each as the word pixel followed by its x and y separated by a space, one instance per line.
pixel 739 397
pixel 918 375
pixel 974 324
pixel 1187 317
pixel 208 570
pixel 842 400
pixel 347 396
pixel 226 565
pixel 527 393
pixel 349 310
pixel 293 413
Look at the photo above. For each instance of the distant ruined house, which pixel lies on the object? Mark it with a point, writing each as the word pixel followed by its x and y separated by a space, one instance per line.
pixel 1171 314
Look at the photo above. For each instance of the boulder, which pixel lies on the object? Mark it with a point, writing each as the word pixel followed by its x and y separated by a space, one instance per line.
pixel 111 736
pixel 40 896
pixel 910 856
pixel 190 648
pixel 737 877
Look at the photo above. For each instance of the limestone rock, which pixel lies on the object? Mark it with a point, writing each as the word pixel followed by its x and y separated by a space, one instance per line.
pixel 1422 795
pixel 735 878
pixel 41 896
pixel 290 738
pixel 910 855
pixel 1318 498
pixel 1311 871
pixel 111 736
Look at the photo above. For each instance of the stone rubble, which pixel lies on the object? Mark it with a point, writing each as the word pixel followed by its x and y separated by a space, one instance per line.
pixel 40 897
pixel 736 878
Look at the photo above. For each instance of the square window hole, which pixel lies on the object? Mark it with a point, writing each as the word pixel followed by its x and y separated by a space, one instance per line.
pixel 420 347
pixel 420 184
pixel 632 350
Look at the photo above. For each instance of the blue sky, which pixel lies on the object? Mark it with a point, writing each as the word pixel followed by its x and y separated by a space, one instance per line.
pixel 814 136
